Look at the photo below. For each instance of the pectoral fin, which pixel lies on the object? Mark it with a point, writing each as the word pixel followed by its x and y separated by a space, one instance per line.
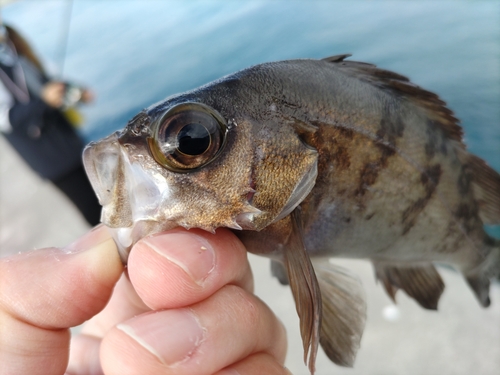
pixel 305 290
pixel 344 313
pixel 422 283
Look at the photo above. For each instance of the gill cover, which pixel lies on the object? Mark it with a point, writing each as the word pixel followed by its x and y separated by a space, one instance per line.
pixel 284 172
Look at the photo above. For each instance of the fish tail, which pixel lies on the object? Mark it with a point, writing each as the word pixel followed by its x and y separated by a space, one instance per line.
pixel 486 188
pixel 479 278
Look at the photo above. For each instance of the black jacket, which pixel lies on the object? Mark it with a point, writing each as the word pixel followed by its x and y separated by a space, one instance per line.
pixel 43 136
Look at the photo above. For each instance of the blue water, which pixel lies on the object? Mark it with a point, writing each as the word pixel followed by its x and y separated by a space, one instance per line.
pixel 134 53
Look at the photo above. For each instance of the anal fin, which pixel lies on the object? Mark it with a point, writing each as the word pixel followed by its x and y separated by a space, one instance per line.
pixel 344 312
pixel 422 282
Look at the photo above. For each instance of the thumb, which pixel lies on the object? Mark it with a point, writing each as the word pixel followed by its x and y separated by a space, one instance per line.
pixel 46 291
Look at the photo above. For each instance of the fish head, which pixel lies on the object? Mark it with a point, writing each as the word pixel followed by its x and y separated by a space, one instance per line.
pixel 188 163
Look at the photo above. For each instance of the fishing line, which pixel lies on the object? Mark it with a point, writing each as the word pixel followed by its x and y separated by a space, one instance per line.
pixel 65 36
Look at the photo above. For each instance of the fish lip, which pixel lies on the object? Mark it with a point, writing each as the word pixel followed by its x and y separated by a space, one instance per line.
pixel 102 173
pixel 123 241
pixel 126 237
pixel 110 171
pixel 127 193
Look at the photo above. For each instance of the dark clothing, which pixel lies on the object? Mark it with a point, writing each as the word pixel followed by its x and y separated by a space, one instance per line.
pixel 45 139
pixel 77 187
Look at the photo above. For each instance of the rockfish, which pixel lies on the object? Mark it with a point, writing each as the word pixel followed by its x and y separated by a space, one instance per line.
pixel 306 160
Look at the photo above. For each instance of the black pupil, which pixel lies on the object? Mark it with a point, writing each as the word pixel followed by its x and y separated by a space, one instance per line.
pixel 193 139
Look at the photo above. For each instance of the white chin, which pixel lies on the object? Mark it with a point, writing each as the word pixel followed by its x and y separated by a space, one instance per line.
pixel 126 238
pixel 124 241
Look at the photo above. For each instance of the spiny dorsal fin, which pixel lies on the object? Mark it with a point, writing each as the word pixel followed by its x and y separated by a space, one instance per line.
pixel 337 58
pixel 400 85
pixel 422 283
pixel 305 290
pixel 486 184
pixel 344 313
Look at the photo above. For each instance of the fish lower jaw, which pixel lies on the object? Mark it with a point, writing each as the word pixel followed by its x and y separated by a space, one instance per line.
pixel 126 237
pixel 123 240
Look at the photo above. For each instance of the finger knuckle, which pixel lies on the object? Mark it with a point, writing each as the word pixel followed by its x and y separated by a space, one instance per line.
pixel 244 305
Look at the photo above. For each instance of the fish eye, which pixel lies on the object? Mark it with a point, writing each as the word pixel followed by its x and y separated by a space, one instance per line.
pixel 188 136
pixel 193 139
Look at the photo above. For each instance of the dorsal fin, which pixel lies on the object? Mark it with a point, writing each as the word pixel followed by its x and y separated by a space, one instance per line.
pixel 400 85
pixel 337 58
pixel 485 180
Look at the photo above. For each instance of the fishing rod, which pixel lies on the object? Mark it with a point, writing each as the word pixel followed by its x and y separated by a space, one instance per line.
pixel 64 33
pixel 73 93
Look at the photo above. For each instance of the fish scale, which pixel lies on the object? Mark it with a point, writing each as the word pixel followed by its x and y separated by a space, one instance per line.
pixel 311 159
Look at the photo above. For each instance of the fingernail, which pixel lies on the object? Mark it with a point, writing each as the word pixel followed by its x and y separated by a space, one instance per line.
pixel 172 335
pixel 190 252
pixel 99 253
pixel 288 371
pixel 94 237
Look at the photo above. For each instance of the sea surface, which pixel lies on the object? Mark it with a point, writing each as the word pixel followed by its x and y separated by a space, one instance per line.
pixel 135 53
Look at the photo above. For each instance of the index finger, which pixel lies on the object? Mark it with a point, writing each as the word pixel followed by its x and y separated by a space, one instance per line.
pixel 179 267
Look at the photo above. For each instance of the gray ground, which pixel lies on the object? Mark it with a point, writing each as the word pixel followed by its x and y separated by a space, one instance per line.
pixel 461 338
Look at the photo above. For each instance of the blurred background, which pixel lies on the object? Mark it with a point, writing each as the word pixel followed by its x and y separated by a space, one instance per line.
pixel 135 53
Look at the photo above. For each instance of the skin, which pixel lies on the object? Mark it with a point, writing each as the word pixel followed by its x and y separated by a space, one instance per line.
pixel 53 94
pixel 171 288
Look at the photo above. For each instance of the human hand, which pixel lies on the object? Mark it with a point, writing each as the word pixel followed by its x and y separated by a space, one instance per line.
pixel 87 96
pixel 53 94
pixel 186 308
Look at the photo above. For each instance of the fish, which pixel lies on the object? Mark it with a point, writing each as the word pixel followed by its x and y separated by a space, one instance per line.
pixel 307 160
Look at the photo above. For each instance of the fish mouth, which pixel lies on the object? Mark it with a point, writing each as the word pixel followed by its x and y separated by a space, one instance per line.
pixel 130 197
pixel 125 238
pixel 100 160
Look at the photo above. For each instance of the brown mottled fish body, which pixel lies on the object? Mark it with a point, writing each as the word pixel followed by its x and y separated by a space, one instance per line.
pixel 386 168
pixel 314 158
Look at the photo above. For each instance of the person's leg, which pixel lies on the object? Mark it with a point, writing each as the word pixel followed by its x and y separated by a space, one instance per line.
pixel 76 186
